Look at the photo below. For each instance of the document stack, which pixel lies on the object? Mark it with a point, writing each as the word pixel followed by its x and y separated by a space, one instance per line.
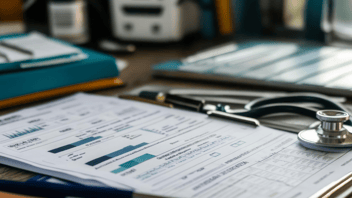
pixel 34 67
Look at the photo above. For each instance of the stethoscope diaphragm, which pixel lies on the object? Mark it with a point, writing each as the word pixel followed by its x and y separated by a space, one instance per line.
pixel 331 135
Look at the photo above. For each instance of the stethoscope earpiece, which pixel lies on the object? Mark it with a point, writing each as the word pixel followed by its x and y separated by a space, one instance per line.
pixel 331 135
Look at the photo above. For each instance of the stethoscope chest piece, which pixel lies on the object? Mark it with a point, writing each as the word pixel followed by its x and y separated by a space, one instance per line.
pixel 332 135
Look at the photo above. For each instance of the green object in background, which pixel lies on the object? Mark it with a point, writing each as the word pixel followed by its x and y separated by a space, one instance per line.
pixel 208 24
pixel 313 18
pixel 247 17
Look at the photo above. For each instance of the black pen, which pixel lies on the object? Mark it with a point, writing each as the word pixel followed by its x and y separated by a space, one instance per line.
pixel 177 101
pixel 14 47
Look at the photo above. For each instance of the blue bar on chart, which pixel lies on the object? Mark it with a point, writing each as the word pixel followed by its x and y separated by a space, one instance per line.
pixel 115 154
pixel 133 163
pixel 24 132
pixel 75 144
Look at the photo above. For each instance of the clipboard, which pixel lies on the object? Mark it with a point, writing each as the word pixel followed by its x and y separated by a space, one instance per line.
pixel 339 188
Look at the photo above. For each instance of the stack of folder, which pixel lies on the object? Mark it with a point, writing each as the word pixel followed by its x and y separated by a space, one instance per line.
pixel 34 67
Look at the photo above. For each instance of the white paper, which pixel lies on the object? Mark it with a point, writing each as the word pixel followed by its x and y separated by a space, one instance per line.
pixel 156 150
pixel 12 55
pixel 40 46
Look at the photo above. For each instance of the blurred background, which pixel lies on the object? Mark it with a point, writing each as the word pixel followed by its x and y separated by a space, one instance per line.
pixel 92 22
pixel 11 10
pixel 121 26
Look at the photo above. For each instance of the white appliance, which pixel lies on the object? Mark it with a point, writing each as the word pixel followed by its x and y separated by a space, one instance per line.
pixel 154 20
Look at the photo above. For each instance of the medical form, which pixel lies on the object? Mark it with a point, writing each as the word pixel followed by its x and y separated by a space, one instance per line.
pixel 160 151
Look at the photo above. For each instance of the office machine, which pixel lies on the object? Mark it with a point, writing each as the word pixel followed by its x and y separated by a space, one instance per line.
pixel 154 20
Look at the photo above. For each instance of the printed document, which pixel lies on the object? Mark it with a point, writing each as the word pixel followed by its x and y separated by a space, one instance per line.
pixel 34 46
pixel 156 150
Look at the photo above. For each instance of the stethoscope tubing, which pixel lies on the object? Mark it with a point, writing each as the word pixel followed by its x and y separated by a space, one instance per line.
pixel 266 106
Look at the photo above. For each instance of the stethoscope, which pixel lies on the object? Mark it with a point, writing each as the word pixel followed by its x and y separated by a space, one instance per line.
pixel 332 134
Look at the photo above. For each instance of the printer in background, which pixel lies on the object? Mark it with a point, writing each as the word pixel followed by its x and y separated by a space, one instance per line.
pixel 154 20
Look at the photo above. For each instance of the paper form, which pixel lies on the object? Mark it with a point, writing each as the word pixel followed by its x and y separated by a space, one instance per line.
pixel 11 55
pixel 38 45
pixel 156 150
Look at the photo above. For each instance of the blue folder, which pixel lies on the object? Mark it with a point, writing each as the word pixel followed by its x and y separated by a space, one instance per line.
pixel 15 81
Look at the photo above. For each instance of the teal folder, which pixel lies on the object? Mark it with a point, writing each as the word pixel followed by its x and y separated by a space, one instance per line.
pixel 15 81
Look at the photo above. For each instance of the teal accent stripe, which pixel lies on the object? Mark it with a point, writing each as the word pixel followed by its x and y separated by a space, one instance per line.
pixel 129 164
pixel 143 158
pixel 119 170
pixel 87 140
pixel 133 162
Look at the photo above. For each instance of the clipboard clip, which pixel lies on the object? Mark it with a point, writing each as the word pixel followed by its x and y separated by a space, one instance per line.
pixel 335 188
pixel 229 116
